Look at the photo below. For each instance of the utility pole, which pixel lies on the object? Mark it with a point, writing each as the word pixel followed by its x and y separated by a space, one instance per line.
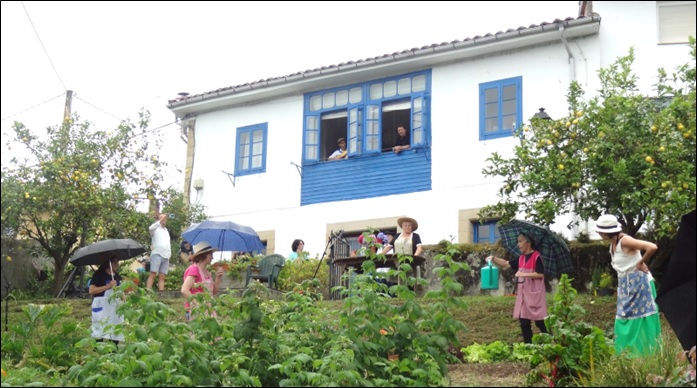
pixel 67 112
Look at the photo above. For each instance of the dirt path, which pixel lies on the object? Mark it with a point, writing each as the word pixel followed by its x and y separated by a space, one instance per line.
pixel 503 374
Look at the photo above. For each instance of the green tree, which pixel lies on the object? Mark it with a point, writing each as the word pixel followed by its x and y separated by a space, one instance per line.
pixel 621 152
pixel 79 184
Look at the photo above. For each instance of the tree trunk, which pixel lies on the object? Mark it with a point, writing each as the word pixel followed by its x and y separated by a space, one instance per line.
pixel 58 275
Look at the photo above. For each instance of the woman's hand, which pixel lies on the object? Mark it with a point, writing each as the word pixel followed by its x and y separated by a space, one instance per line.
pixel 642 267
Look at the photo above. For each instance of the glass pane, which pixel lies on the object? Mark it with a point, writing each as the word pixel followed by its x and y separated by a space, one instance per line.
pixel 373 128
pixel 353 144
pixel 373 112
pixel 373 143
pixel 341 97
pixel 311 152
pixel 355 95
pixel 491 110
pixel 483 231
pixel 417 103
pixel 256 161
pixel 312 122
pixel 509 92
pixel 390 88
pixel 418 83
pixel 509 107
pixel 353 130
pixel 312 137
pixel 404 86
pixel 416 120
pixel 353 115
pixel 375 91
pixel 315 102
pixel 257 148
pixel 418 136
pixel 491 95
pixel 244 163
pixel 508 122
pixel 492 125
pixel 328 100
pixel 258 135
pixel 244 138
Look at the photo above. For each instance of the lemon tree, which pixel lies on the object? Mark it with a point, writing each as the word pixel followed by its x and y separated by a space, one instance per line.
pixel 80 184
pixel 620 152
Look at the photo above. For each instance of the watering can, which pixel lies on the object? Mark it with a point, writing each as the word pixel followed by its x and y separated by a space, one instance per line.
pixel 490 277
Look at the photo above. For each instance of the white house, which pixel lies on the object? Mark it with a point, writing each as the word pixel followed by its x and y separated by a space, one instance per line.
pixel 257 152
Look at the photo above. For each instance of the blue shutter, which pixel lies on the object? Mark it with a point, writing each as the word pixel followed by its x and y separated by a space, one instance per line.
pixel 373 134
pixel 311 138
pixel 418 120
pixel 355 131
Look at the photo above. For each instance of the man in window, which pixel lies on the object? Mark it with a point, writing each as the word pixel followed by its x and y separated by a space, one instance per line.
pixel 402 142
pixel 341 153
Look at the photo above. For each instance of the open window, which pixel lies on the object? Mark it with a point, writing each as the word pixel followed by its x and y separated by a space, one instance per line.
pixel 394 114
pixel 333 126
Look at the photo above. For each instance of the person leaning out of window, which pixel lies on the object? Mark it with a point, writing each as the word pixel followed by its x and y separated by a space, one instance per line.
pixel 402 143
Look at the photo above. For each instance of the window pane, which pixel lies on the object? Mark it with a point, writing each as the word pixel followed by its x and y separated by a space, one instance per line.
pixel 315 102
pixel 353 130
pixel 353 115
pixel 373 112
pixel 404 86
pixel 373 128
pixel 418 83
pixel 341 97
pixel 312 137
pixel 257 148
pixel 416 120
pixel 491 110
pixel 491 95
pixel 244 163
pixel 244 139
pixel 312 122
pixel 256 161
pixel 509 107
pixel 508 122
pixel 311 152
pixel 509 92
pixel 373 143
pixel 492 125
pixel 483 232
pixel 328 100
pixel 375 91
pixel 390 88
pixel 418 102
pixel 243 151
pixel 355 95
pixel 258 136
pixel 418 136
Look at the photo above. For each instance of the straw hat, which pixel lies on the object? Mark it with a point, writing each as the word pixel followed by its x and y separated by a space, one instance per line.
pixel 414 224
pixel 201 248
pixel 607 223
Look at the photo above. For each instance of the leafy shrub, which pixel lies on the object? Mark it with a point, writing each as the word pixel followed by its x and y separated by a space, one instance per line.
pixel 298 271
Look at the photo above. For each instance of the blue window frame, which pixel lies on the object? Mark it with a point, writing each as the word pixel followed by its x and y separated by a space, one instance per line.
pixel 367 115
pixel 485 232
pixel 250 156
pixel 500 107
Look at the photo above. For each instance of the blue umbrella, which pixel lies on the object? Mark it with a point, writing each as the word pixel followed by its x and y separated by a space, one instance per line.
pixel 225 236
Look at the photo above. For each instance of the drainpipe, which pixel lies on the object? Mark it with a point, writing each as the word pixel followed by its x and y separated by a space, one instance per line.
pixel 572 61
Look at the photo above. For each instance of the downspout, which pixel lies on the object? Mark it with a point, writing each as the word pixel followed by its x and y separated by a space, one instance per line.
pixel 572 61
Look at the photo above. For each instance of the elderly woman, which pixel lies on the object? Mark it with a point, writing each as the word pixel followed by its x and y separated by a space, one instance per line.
pixel 407 242
pixel 637 323
pixel 104 316
pixel 197 278
pixel 531 296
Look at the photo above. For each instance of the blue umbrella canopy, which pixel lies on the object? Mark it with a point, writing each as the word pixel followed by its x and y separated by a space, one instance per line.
pixel 225 236
pixel 554 251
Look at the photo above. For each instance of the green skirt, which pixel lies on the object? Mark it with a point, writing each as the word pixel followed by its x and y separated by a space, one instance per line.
pixel 638 336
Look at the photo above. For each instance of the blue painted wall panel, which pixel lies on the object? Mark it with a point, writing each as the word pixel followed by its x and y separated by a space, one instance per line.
pixel 366 177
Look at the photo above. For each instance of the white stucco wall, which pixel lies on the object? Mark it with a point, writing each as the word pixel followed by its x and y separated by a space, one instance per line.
pixel 270 201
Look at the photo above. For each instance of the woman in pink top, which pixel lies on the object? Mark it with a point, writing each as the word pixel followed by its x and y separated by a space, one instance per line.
pixel 531 296
pixel 197 277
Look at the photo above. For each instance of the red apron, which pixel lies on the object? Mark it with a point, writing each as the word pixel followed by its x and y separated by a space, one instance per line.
pixel 531 298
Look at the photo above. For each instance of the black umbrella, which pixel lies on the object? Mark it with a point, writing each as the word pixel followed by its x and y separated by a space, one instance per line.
pixel 554 251
pixel 676 296
pixel 99 252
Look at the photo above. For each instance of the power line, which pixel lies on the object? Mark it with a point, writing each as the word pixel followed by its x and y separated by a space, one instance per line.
pixel 35 106
pixel 42 46
pixel 97 108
